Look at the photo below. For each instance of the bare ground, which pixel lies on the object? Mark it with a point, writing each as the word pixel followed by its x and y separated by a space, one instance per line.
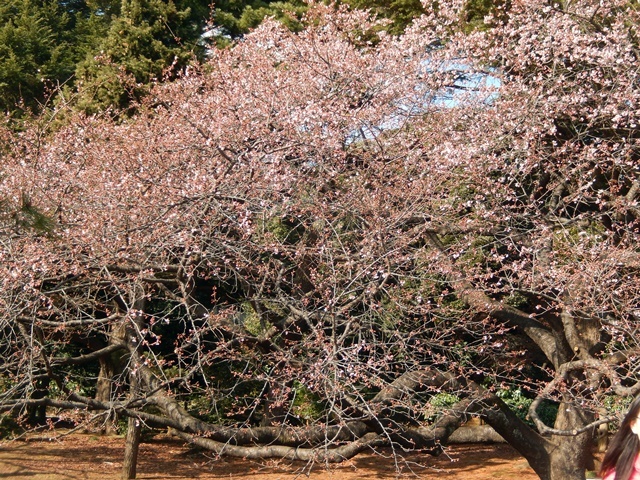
pixel 94 457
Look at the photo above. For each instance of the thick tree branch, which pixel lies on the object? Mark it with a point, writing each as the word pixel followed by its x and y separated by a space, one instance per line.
pixel 541 335
pixel 323 455
pixel 89 357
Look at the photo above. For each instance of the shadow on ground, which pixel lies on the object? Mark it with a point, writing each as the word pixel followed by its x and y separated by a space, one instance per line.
pixel 94 457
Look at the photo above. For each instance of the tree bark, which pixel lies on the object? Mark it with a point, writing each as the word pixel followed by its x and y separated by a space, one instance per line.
pixel 111 364
pixel 475 434
pixel 132 443
pixel 134 426
pixel 321 454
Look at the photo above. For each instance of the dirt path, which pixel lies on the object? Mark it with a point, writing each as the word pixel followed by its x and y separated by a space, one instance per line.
pixel 93 457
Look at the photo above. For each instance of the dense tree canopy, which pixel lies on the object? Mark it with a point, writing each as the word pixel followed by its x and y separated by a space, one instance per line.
pixel 148 39
pixel 109 49
pixel 106 53
pixel 34 48
pixel 297 251
pixel 239 17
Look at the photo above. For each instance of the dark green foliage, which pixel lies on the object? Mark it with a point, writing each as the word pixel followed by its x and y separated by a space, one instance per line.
pixel 32 218
pixel 403 12
pixel 237 18
pixel 517 300
pixel 520 403
pixel 110 50
pixel 105 47
pixel 106 52
pixel 438 403
pixel 306 405
pixel 142 44
pixel 34 51
pixel 475 11
pixel 400 12
pixel 286 230
pixel 8 426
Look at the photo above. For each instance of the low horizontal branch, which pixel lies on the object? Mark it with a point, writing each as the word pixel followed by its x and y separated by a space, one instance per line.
pixel 66 323
pixel 320 454
pixel 89 357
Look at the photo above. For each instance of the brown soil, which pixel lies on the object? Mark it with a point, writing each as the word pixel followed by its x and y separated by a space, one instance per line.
pixel 94 457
